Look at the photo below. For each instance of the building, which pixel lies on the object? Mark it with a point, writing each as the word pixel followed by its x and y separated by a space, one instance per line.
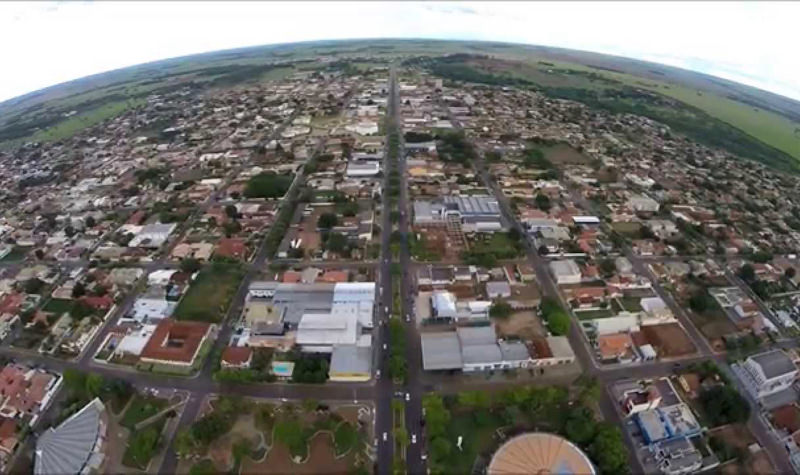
pixel 76 446
pixel 25 391
pixel 152 235
pixel 767 373
pixel 441 351
pixel 236 357
pixel 566 272
pixel 176 342
pixel 497 290
pixel 350 363
pixel 637 397
pixel 552 350
pixel 678 457
pixel 471 349
pixel 476 213
pixel 363 169
pixel 643 204
pixel 539 452
pixel 667 423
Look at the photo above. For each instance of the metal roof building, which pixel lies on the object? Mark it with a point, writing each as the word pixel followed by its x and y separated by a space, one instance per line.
pixel 539 453
pixel 441 351
pixel 75 446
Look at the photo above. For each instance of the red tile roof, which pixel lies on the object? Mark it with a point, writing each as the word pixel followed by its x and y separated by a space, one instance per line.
pixel 231 247
pixel 175 341
pixel 98 303
pixel 236 355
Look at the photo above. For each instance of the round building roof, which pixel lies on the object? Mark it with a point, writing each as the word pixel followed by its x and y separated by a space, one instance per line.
pixel 539 453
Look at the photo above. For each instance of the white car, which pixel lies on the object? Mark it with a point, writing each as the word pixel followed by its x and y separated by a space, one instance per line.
pixel 385 346
pixel 408 397
pixel 413 438
pixel 408 318
pixel 385 437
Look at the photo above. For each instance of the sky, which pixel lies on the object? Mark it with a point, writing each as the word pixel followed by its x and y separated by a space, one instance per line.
pixel 45 43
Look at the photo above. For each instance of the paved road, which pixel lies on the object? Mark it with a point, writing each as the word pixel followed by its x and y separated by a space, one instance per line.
pixel 413 386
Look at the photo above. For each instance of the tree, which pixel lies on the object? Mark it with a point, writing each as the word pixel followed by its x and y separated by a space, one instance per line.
pixel 90 222
pixel 608 450
pixel 747 273
pixel 474 399
pixel 558 323
pixel 500 309
pixel 327 221
pixel 607 267
pixel 336 242
pixel 78 290
pixel 33 286
pixel 267 185
pixel 440 449
pixel 543 202
pixel 231 227
pixel 436 415
pixel 95 384
pixel 790 273
pixel 69 231
pixel 39 253
pixel 724 405
pixel 190 265
pixel 580 426
pixel 75 382
pixel 142 445
pixel 231 211
pixel 543 250
pixel 700 301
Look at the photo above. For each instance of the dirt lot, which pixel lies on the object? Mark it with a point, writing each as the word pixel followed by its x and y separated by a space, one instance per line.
pixel 737 435
pixel 714 327
pixel 562 154
pixel 669 340
pixel 438 241
pixel 525 324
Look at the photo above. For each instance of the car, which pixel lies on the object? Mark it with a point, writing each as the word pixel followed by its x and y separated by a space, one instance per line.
pixel 385 437
pixel 424 457
pixel 387 309
pixel 408 318
pixel 408 397
pixel 378 374
pixel 413 438
pixel 385 346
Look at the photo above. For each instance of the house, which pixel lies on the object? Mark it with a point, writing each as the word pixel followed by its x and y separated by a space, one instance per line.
pixel 152 236
pixel 636 397
pixel 643 204
pixel 617 347
pixel 497 290
pixel 176 342
pixel 767 373
pixel 234 357
pixel 552 350
pixel 363 169
pixel 566 272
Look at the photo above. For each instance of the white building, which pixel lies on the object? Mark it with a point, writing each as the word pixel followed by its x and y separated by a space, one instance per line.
pixel 767 373
pixel 643 204
pixel 566 271
pixel 363 169
pixel 152 235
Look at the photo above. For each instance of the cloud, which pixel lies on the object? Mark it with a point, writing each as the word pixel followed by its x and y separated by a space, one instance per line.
pixel 753 42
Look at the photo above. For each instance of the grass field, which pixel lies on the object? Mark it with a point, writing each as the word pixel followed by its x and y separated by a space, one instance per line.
pixel 210 294
pixel 17 254
pixel 142 408
pixel 58 306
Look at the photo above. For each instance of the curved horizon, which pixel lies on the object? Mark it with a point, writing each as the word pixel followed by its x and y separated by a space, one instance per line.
pixel 764 61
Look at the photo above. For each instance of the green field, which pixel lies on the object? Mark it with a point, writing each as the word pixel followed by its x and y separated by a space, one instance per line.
pixel 757 116
pixel 210 294
pixel 142 408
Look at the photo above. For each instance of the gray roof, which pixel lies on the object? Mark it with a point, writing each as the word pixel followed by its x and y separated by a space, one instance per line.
pixel 481 354
pixel 440 350
pixel 303 298
pixel 71 447
pixel 474 205
pixel 774 363
pixel 477 335
pixel 351 359
pixel 513 351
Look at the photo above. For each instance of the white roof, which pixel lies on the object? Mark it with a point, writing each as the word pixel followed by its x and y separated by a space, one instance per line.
pixel 565 267
pixel 327 329
pixel 652 304
pixel 586 219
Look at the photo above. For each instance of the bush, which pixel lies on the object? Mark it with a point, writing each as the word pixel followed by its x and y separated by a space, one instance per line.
pixel 267 185
pixel 724 405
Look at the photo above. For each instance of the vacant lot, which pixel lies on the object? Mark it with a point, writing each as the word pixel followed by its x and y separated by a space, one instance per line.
pixel 714 325
pixel 737 436
pixel 563 154
pixel 210 294
pixel 525 325
pixel 669 340
pixel 627 228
